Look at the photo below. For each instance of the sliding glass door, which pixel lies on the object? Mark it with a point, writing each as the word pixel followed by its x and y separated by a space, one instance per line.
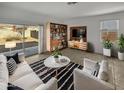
pixel 25 37
pixel 31 40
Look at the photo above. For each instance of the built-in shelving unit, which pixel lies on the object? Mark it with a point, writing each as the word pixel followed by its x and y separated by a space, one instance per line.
pixel 56 36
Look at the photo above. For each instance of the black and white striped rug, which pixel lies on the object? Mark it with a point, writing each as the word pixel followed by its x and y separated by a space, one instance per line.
pixel 64 74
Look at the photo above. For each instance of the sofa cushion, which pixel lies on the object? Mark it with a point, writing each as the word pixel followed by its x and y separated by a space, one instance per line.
pixel 22 69
pixel 50 85
pixel 29 81
pixel 3 73
pixel 103 71
pixel 3 86
pixel 15 57
pixel 11 65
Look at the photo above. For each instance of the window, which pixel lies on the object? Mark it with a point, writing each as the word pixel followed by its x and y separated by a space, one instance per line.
pixel 25 37
pixel 109 30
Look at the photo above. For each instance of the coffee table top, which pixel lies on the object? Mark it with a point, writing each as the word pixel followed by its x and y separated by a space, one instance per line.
pixel 50 62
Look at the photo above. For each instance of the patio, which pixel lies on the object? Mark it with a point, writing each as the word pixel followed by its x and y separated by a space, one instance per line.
pixel 31 48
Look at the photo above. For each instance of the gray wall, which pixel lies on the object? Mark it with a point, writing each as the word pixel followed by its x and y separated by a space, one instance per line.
pixel 93 28
pixel 12 15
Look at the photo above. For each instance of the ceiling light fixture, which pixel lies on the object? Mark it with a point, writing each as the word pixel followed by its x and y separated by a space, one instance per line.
pixel 72 3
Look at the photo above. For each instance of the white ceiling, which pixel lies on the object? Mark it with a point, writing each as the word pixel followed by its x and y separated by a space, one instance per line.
pixel 59 10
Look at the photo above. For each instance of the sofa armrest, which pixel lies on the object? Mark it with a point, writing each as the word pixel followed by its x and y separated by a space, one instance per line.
pixel 50 85
pixel 3 86
pixel 4 78
pixel 84 81
pixel 21 57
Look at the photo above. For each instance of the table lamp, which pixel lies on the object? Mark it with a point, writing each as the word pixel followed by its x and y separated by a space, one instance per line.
pixel 10 45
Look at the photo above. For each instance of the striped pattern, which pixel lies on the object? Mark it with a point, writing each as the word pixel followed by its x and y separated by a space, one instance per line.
pixel 11 65
pixel 64 74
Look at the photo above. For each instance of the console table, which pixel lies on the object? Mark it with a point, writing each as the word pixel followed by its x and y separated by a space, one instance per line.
pixel 78 45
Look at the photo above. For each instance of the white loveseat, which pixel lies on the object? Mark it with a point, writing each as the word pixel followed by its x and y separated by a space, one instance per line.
pixel 24 77
pixel 83 80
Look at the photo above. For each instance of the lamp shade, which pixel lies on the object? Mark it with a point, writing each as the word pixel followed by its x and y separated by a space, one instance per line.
pixel 10 44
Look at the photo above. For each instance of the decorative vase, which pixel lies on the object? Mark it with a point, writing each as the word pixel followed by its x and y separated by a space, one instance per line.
pixel 107 52
pixel 81 40
pixel 120 56
pixel 56 60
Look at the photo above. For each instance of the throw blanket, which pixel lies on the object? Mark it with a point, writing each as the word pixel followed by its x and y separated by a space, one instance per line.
pixel 64 74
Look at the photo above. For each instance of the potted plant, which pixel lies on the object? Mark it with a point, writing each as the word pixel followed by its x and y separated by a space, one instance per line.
pixel 107 44
pixel 56 53
pixel 121 47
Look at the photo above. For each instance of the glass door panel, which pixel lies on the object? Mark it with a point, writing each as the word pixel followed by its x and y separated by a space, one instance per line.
pixel 9 33
pixel 31 40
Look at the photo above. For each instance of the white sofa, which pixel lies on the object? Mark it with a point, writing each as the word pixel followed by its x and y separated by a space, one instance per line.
pixel 25 78
pixel 83 80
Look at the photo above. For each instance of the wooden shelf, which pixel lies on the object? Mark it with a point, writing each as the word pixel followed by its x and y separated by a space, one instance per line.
pixel 57 36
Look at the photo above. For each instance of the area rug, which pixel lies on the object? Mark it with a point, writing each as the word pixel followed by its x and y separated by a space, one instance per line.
pixel 64 74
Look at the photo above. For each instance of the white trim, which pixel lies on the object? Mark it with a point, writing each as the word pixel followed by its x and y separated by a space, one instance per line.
pixel 40 39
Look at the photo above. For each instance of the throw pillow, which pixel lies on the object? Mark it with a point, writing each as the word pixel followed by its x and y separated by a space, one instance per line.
pixel 95 70
pixel 15 57
pixel 11 65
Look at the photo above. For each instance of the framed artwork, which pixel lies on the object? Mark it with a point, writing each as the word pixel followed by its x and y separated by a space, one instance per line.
pixel 109 30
